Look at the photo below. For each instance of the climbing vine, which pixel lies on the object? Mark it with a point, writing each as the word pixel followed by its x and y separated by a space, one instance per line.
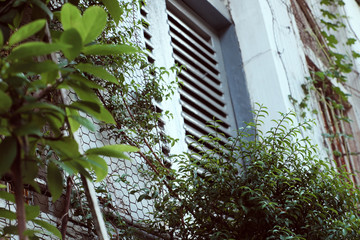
pixel 327 84
pixel 37 123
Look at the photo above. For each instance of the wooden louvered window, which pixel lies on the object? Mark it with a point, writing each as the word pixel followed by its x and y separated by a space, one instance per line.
pixel 204 95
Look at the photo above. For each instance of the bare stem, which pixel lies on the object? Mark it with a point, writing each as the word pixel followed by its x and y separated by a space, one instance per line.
pixel 65 216
pixel 19 197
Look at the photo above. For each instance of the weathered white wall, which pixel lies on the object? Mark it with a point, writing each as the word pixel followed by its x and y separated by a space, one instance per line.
pixel 162 52
pixel 274 55
pixel 267 41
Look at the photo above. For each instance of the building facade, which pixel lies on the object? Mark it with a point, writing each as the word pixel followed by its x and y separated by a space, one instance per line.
pixel 299 55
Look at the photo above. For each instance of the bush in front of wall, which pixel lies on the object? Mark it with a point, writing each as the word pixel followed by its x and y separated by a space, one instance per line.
pixel 261 185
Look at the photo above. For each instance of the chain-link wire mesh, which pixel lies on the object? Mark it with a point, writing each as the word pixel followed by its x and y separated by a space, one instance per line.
pixel 121 207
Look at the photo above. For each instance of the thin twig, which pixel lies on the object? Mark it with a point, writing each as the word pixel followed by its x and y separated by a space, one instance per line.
pixel 65 217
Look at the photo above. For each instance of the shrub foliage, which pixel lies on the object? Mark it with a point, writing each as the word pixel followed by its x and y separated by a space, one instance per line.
pixel 262 185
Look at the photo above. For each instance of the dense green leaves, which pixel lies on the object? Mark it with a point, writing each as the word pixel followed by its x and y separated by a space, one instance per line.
pixel 37 120
pixel 282 191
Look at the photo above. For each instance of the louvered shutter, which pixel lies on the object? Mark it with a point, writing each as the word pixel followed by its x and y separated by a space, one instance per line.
pixel 204 94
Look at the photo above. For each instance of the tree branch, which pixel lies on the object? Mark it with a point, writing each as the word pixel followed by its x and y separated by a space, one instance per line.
pixel 65 216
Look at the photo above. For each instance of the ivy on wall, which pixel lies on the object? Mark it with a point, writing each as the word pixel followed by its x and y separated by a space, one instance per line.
pixel 326 83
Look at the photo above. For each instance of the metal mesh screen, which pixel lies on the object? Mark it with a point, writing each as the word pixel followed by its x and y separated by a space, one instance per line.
pixel 121 208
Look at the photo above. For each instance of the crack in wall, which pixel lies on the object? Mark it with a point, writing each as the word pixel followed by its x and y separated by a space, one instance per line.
pixel 256 56
pixel 278 51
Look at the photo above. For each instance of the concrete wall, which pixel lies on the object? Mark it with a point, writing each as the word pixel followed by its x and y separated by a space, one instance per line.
pixel 273 52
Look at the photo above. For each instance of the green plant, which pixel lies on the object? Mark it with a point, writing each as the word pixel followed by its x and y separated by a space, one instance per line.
pixel 262 185
pixel 37 124
pixel 325 83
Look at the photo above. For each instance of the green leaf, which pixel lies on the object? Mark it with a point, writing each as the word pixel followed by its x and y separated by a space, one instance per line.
pixel 1 39
pixel 33 67
pixel 10 230
pixel 32 212
pixel 49 77
pixel 5 101
pixel 84 81
pixel 66 147
pixel 4 213
pixel 56 122
pixel 86 106
pixel 71 37
pixel 42 106
pixel 17 19
pixel 4 130
pixel 97 71
pixel 8 151
pixel 114 8
pixel 31 168
pixel 94 21
pixel 31 49
pixel 18 80
pixel 74 125
pixel 144 196
pixel 52 229
pixel 84 93
pixel 2 186
pixel 109 49
pixel 78 166
pixel 34 127
pixel 55 181
pixel 105 116
pixel 43 7
pixel 84 122
pixel 31 233
pixel 7 196
pixel 112 151
pixel 26 31
pixel 94 109
pixel 99 166
pixel 350 41
pixel 70 17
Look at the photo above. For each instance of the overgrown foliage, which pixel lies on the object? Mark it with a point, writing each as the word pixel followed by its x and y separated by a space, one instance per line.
pixel 37 124
pixel 282 191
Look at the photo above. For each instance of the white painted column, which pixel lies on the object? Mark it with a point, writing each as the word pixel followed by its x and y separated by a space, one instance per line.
pixel 271 51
